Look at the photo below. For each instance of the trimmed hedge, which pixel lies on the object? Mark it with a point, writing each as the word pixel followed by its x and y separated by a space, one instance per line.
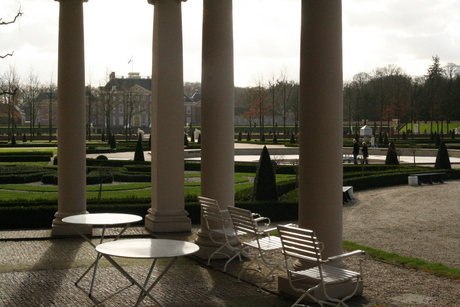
pixel 28 158
pixel 42 216
pixel 22 173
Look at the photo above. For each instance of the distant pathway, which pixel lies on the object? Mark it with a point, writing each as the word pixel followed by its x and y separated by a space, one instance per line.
pixel 421 222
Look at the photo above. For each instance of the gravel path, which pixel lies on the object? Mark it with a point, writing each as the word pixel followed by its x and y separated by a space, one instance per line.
pixel 421 222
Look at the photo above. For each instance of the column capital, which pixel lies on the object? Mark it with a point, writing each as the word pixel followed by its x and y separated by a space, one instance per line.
pixel 153 1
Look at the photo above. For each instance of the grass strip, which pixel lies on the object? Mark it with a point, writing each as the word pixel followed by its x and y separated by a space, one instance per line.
pixel 415 263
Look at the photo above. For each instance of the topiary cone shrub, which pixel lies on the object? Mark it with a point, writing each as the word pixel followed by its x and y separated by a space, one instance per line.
pixel 442 158
pixel 275 139
pixel 392 156
pixel 139 153
pixel 185 140
pixel 292 140
pixel 437 140
pixel 113 143
pixel 265 181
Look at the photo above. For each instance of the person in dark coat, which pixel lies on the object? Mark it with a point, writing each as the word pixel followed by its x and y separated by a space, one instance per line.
pixel 355 151
pixel 365 153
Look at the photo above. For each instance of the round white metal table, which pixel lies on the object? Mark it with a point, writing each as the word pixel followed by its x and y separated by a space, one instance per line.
pixel 100 219
pixel 146 249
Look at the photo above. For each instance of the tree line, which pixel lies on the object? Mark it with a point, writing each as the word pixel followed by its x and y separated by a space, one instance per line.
pixel 388 93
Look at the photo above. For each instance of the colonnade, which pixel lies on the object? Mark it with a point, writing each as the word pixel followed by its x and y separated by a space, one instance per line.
pixel 320 153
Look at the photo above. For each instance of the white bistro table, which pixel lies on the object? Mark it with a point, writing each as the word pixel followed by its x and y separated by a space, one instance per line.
pixel 104 220
pixel 146 249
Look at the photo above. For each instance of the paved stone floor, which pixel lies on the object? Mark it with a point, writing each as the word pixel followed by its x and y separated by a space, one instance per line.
pixel 37 270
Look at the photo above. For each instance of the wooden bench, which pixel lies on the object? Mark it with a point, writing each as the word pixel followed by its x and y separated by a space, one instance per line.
pixel 347 193
pixel 428 178
pixel 349 158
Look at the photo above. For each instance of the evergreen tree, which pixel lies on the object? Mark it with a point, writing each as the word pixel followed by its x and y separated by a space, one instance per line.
pixel 13 140
pixel 275 139
pixel 392 156
pixel 24 138
pixel 442 158
pixel 265 180
pixel 240 136
pixel 139 153
pixel 292 140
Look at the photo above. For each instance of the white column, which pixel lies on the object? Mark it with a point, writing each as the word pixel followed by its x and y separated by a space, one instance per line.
pixel 217 110
pixel 321 113
pixel 167 213
pixel 320 136
pixel 71 116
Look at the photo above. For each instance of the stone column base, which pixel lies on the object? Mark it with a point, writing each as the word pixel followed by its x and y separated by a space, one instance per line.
pixel 168 221
pixel 335 291
pixel 59 228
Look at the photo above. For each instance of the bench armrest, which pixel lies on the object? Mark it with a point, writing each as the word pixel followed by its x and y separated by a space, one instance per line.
pixel 346 255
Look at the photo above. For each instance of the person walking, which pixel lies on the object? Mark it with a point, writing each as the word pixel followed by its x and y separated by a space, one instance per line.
pixel 374 142
pixel 355 151
pixel 365 153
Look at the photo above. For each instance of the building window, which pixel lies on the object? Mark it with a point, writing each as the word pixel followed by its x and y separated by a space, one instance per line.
pixel 189 110
pixel 120 120
pixel 120 108
pixel 136 121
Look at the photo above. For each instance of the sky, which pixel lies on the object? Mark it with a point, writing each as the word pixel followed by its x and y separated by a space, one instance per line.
pixel 376 33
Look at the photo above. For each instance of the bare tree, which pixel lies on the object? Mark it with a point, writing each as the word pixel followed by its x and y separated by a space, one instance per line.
pixel 130 98
pixel 90 106
pixel 52 98
pixel 10 90
pixel 3 23
pixel 273 96
pixel 286 93
pixel 260 103
pixel 30 98
pixel 107 101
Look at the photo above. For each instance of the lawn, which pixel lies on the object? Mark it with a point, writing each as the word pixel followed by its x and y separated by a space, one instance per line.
pixel 28 192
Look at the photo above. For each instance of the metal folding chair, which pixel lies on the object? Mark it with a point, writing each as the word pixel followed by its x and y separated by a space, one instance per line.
pixel 301 244
pixel 244 221
pixel 220 230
